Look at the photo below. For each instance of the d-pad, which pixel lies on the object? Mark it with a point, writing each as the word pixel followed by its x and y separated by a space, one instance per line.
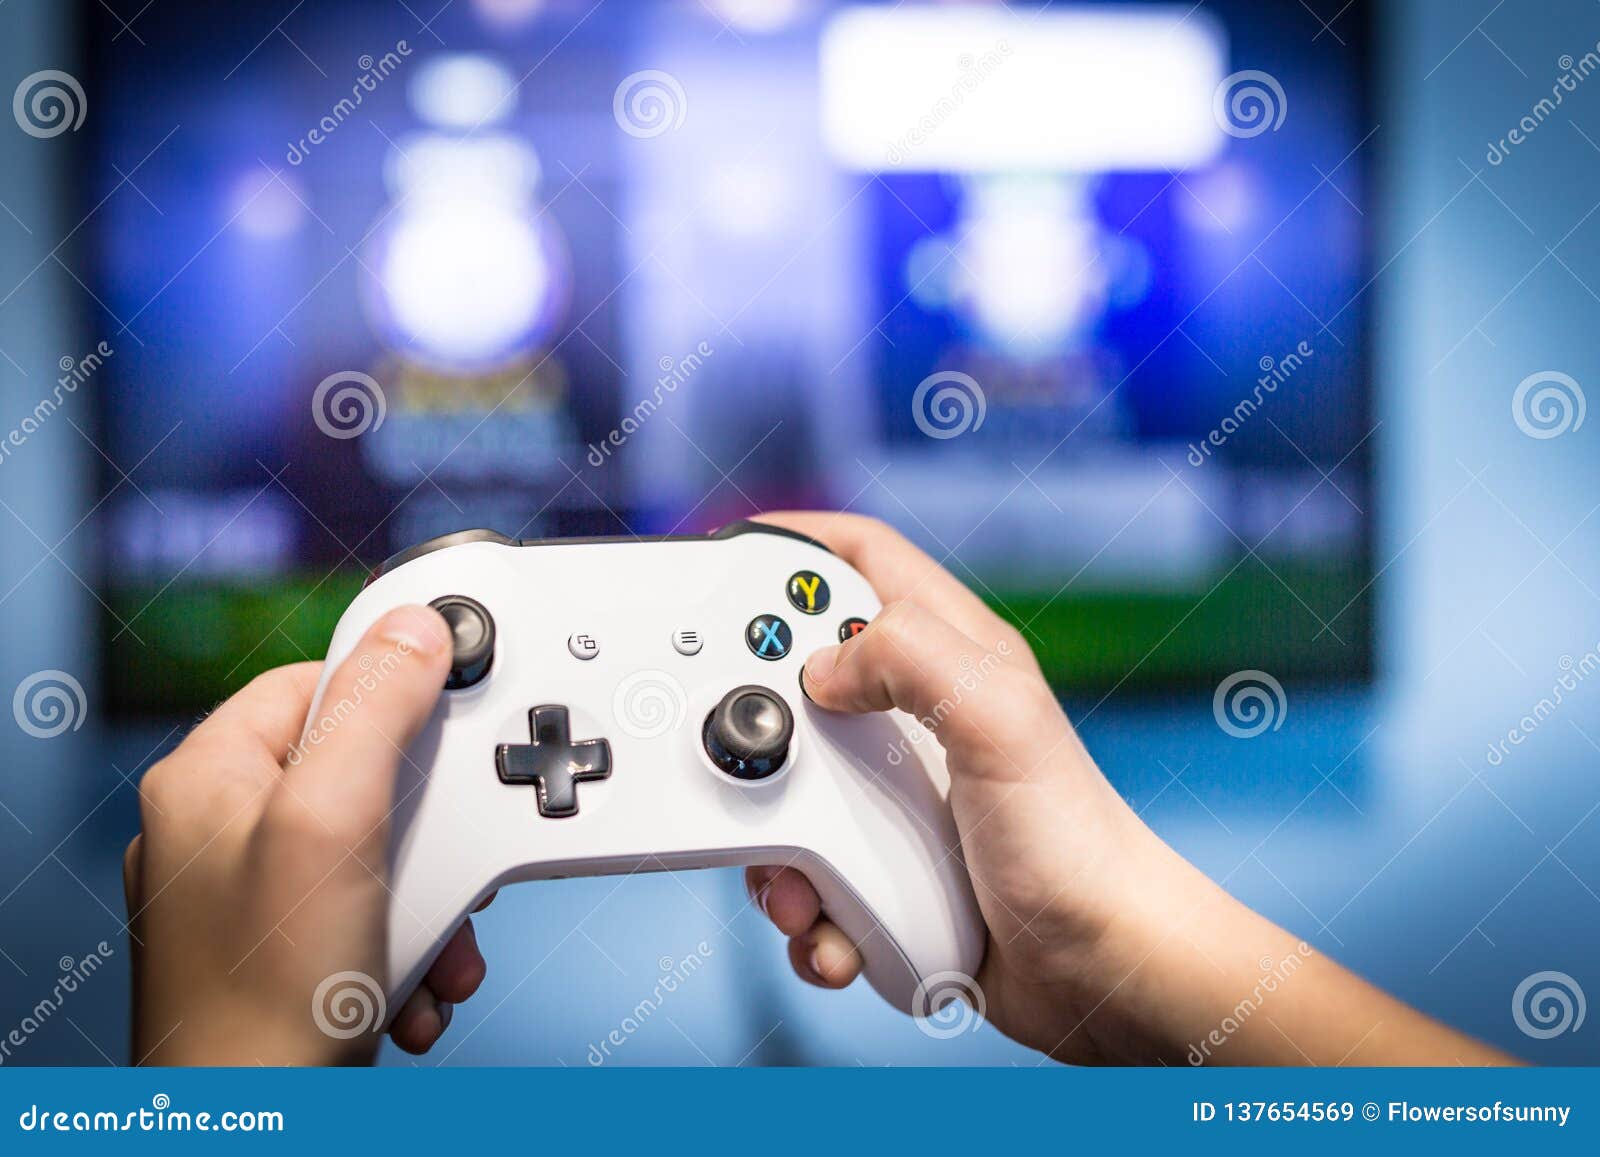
pixel 552 762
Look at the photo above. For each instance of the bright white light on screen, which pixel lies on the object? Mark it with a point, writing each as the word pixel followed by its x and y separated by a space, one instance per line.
pixel 746 199
pixel 983 90
pixel 468 282
pixel 433 166
pixel 1030 270
pixel 757 15
pixel 508 13
pixel 462 91
pixel 267 206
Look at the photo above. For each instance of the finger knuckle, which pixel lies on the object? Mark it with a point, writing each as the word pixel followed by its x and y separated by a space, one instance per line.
pixel 130 865
pixel 896 623
pixel 1011 643
pixel 871 526
pixel 263 683
pixel 291 822
pixel 1030 701
pixel 156 787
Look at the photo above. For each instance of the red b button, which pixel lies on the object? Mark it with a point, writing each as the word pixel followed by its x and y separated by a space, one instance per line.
pixel 850 628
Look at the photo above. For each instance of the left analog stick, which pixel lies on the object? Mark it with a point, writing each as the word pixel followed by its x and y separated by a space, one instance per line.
pixel 472 639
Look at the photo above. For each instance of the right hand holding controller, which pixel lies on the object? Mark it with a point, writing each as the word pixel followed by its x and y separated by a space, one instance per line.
pixel 1104 945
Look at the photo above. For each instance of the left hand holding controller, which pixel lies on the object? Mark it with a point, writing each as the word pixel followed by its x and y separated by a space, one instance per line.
pixel 258 892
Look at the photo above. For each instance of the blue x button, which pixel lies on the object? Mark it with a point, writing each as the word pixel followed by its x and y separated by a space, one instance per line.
pixel 769 637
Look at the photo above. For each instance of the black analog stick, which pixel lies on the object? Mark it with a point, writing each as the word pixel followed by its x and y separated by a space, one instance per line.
pixel 472 635
pixel 747 734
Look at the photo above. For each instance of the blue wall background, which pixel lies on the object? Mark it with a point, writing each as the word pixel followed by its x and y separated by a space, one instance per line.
pixel 1372 823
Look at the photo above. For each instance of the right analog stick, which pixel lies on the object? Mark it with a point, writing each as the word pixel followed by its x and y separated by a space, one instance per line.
pixel 471 639
pixel 747 734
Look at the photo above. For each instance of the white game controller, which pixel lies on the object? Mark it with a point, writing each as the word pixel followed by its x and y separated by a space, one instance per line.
pixel 625 705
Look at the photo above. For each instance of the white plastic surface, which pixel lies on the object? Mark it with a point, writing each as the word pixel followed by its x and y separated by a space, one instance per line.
pixel 859 806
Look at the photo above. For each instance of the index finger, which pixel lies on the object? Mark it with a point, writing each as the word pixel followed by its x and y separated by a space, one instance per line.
pixel 898 569
pixel 270 709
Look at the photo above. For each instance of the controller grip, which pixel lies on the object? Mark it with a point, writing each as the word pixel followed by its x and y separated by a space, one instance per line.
pixel 910 966
pixel 908 961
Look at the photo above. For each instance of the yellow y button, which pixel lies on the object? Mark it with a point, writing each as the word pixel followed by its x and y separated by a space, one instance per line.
pixel 808 591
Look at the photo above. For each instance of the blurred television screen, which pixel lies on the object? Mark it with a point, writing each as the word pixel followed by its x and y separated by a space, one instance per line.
pixel 1071 293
